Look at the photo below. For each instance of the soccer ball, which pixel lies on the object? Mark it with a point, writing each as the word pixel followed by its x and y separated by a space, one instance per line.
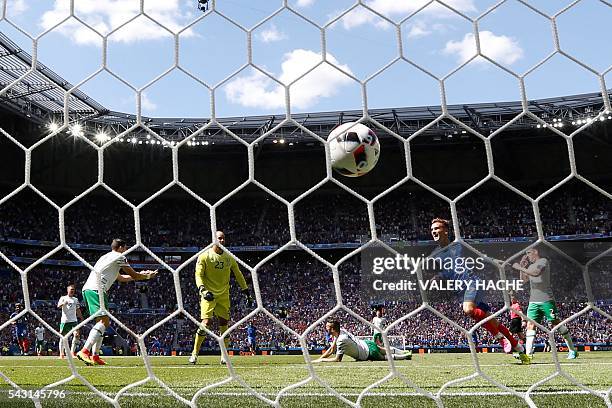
pixel 354 149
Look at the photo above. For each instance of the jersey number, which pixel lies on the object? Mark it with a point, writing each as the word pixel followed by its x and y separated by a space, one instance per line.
pixel 219 265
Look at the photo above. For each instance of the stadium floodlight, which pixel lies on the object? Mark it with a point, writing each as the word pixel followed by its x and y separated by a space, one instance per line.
pixel 275 141
pixel 281 141
pixel 101 137
pixel 53 127
pixel 76 130
pixel 133 140
pixel 206 143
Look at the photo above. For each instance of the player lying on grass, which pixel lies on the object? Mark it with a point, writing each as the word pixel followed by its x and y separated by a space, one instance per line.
pixel 213 270
pixel 112 266
pixel 473 306
pixel 361 350
pixel 542 305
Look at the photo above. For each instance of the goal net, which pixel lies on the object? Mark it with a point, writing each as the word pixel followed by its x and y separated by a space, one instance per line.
pixel 295 322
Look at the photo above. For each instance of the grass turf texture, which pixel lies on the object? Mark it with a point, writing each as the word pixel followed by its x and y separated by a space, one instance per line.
pixel 269 374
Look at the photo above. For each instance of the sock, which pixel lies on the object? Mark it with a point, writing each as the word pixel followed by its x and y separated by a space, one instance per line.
pixel 504 330
pixel 97 345
pixel 199 339
pixel 568 338
pixel 223 329
pixel 74 343
pixel 96 331
pixel 478 314
pixel 530 335
pixel 61 348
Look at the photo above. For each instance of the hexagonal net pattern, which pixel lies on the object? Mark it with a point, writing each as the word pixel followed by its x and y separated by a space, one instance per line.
pixel 294 242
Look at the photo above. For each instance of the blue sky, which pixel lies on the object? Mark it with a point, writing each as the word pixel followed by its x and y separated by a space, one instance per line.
pixel 360 44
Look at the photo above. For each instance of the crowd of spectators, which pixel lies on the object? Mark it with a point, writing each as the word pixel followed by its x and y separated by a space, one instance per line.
pixel 297 290
pixel 322 217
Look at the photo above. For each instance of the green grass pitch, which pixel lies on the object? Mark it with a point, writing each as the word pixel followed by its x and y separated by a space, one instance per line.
pixel 270 374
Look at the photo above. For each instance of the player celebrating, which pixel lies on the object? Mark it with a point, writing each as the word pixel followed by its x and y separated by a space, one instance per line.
pixel 110 266
pixel 20 330
pixel 212 278
pixel 71 314
pixel 536 269
pixel 251 333
pixel 472 305
pixel 39 332
pixel 361 350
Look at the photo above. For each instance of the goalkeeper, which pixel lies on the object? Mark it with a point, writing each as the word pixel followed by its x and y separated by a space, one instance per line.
pixel 212 277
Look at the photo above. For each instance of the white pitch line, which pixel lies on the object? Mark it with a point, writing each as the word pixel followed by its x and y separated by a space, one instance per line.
pixel 344 394
pixel 358 365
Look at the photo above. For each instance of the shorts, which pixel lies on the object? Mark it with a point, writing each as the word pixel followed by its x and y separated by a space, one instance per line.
pixel 92 302
pixel 40 344
pixel 219 306
pixel 66 327
pixel 251 341
pixel 537 311
pixel 516 325
pixel 374 351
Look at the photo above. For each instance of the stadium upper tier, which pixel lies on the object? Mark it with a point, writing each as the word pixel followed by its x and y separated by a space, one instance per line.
pixel 36 93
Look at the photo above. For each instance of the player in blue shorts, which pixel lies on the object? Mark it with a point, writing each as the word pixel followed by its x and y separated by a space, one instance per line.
pixel 251 341
pixel 473 305
pixel 20 330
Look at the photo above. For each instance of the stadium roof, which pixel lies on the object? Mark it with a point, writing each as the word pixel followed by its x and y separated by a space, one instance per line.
pixel 39 92
pixel 39 95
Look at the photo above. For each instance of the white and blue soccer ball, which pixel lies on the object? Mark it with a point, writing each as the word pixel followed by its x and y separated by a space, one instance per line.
pixel 354 149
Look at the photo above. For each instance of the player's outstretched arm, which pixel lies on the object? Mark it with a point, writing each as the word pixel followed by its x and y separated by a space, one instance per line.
pixel 131 274
pixel 329 355
pixel 61 303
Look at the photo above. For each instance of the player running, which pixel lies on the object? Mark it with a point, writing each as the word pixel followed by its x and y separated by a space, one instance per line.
pixel 39 332
pixel 112 266
pixel 472 304
pixel 71 314
pixel 536 269
pixel 212 276
pixel 361 350
pixel 20 330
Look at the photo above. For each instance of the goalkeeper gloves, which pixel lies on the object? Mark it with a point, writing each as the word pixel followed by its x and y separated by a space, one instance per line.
pixel 206 295
pixel 249 298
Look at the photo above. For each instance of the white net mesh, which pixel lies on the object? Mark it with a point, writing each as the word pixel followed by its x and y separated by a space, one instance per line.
pixel 394 373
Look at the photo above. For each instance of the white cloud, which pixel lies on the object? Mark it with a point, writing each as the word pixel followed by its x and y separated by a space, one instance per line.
pixel 500 48
pixel 146 103
pixel 16 7
pixel 259 91
pixel 106 15
pixel 272 35
pixel 305 3
pixel 397 8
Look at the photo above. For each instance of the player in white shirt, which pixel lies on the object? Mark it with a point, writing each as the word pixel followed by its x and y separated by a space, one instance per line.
pixel 111 267
pixel 378 321
pixel 39 331
pixel 71 314
pixel 361 350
